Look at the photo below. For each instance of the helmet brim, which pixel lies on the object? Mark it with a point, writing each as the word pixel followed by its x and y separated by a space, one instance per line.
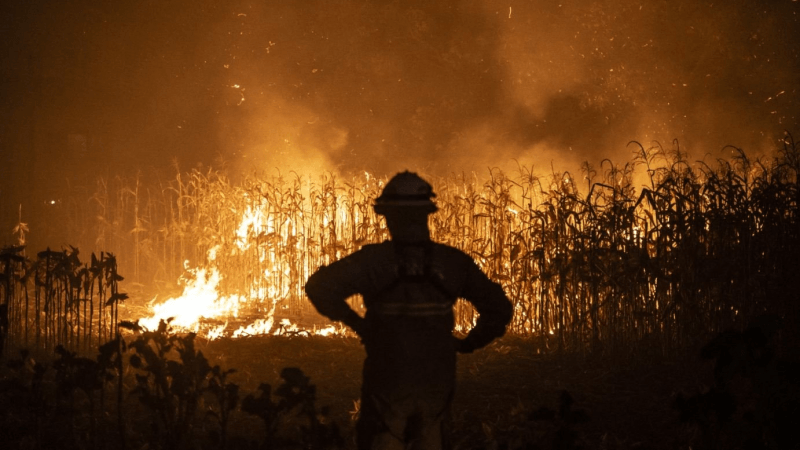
pixel 405 205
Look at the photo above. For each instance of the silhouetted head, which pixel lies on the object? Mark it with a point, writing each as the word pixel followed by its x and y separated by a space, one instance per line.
pixel 406 203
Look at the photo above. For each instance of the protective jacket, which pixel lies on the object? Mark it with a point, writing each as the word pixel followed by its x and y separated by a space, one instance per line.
pixel 409 291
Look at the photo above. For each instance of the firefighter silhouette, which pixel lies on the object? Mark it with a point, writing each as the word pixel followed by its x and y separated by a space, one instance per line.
pixel 409 285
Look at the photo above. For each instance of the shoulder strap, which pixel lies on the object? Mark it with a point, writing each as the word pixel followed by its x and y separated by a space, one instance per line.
pixel 420 271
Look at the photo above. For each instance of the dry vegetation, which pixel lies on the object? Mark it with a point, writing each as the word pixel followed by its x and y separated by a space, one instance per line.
pixel 610 267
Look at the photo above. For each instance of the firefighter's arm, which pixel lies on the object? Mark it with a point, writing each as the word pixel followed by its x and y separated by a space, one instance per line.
pixel 493 307
pixel 329 288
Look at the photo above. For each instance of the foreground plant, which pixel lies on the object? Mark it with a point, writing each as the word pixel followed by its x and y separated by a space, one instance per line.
pixel 24 405
pixel 294 408
pixel 754 398
pixel 171 376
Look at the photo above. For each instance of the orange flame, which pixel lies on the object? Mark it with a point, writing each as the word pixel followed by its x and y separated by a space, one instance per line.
pixel 201 307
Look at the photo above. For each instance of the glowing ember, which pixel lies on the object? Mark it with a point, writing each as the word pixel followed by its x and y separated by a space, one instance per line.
pixel 259 327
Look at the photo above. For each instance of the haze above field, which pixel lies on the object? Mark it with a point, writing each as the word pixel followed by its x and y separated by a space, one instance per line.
pixel 112 87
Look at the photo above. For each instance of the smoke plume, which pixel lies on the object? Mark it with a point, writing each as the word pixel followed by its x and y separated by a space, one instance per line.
pixel 106 87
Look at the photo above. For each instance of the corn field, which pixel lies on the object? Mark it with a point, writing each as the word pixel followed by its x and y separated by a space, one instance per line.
pixel 596 262
pixel 58 300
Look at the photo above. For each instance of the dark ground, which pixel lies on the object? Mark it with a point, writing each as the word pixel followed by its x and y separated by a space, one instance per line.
pixel 628 400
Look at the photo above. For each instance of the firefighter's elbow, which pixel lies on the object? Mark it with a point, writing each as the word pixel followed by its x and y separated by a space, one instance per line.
pixel 309 288
pixel 505 309
pixel 507 312
pixel 314 286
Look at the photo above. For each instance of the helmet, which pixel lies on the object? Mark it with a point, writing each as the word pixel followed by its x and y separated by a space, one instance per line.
pixel 406 190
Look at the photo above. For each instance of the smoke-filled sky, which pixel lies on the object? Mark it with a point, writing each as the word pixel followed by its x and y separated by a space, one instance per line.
pixel 382 86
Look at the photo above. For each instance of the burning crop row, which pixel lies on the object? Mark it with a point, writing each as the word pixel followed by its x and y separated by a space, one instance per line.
pixel 692 252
